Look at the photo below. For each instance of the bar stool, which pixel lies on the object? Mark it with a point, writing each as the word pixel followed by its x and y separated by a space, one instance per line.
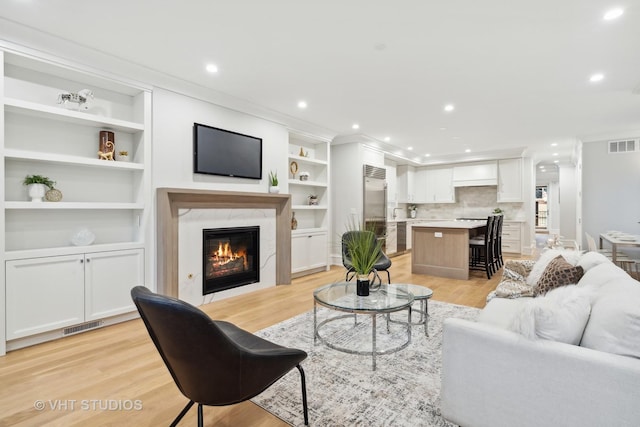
pixel 482 248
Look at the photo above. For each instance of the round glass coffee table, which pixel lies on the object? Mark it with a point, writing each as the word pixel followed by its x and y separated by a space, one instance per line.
pixel 342 297
pixel 422 294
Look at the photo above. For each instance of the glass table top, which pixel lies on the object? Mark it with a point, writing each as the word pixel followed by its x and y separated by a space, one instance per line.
pixel 342 296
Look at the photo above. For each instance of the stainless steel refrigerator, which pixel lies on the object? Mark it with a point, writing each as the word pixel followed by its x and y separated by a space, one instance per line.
pixel 375 202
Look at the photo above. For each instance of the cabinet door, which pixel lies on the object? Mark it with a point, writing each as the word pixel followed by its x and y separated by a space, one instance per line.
pixel 405 184
pixel 438 186
pixel 317 250
pixel 420 187
pixel 109 277
pixel 308 251
pixel 510 180
pixel 44 294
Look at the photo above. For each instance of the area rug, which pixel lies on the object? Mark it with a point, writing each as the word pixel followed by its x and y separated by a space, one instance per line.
pixel 342 388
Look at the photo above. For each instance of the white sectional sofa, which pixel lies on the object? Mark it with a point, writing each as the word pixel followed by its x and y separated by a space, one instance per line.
pixel 568 358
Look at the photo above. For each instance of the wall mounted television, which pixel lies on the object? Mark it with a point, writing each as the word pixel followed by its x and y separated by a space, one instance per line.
pixel 226 153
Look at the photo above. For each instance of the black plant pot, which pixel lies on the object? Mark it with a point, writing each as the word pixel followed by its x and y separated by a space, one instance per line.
pixel 362 287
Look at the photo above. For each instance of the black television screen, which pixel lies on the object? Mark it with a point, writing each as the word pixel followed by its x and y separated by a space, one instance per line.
pixel 226 153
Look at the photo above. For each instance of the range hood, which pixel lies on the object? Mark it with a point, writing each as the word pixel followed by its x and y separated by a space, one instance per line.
pixel 476 175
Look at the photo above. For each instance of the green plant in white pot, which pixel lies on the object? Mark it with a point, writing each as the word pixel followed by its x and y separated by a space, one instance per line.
pixel 273 182
pixel 363 249
pixel 37 186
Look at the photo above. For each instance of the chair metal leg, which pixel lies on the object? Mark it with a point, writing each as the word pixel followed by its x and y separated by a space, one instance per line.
pixel 182 413
pixel 304 395
pixel 200 417
pixel 388 277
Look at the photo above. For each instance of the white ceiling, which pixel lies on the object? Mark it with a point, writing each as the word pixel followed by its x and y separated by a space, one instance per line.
pixel 517 72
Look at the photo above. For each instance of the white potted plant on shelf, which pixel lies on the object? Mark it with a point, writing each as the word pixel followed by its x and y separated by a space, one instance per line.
pixel 37 186
pixel 412 210
pixel 273 182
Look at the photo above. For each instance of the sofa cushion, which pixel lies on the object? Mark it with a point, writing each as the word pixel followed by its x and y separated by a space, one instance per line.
pixel 561 315
pixel 558 273
pixel 614 325
pixel 572 258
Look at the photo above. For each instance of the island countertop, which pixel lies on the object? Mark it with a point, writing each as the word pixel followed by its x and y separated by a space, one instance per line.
pixel 462 225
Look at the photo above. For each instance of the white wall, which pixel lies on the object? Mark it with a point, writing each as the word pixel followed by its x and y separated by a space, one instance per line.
pixel 173 118
pixel 610 190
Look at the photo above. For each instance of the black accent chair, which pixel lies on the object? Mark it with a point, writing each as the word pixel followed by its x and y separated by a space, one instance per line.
pixel 481 255
pixel 497 248
pixel 382 264
pixel 213 362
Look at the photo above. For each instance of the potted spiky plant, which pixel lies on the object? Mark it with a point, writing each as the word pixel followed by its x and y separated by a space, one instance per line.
pixel 363 249
pixel 37 186
pixel 273 182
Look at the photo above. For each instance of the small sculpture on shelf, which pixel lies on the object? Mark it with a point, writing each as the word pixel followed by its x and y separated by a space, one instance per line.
pixel 122 156
pixel 304 176
pixel 302 153
pixel 293 168
pixel 76 101
pixel 294 221
pixel 312 199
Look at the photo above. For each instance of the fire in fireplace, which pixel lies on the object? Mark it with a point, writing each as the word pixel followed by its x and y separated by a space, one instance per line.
pixel 230 258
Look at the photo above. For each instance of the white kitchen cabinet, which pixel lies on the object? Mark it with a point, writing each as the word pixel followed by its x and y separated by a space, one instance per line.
pixel 405 184
pixel 438 185
pixel 49 293
pixel 510 180
pixel 511 237
pixel 392 185
pixel 475 174
pixel 309 251
pixel 391 246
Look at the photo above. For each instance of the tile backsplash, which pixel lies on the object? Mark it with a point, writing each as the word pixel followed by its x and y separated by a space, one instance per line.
pixel 471 202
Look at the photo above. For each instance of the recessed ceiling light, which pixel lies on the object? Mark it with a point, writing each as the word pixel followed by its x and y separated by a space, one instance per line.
pixel 443 128
pixel 410 148
pixel 355 126
pixel 613 14
pixel 468 150
pixel 555 154
pixel 449 108
pixel 554 144
pixel 302 104
pixel 542 167
pixel 596 77
pixel 427 155
pixel 212 68
pixel 556 161
pixel 387 138
pixel 455 137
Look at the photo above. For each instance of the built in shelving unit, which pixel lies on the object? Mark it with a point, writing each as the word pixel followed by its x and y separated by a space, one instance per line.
pixel 108 198
pixel 309 246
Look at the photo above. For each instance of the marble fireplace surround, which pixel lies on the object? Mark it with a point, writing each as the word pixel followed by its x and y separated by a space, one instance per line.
pixel 170 200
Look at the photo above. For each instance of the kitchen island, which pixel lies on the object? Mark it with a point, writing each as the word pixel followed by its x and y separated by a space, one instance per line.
pixel 441 248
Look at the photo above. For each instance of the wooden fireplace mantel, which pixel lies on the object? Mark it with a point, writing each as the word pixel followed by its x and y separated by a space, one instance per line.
pixel 171 200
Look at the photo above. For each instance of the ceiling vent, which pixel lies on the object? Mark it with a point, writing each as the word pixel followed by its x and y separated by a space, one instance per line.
pixel 624 146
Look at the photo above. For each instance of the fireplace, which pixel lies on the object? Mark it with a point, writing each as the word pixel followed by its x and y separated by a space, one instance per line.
pixel 230 258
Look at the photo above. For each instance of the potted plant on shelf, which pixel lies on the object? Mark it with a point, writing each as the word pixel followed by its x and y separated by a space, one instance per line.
pixel 363 249
pixel 412 211
pixel 273 182
pixel 37 186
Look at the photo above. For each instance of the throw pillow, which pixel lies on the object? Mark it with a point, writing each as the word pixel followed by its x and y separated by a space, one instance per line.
pixel 592 259
pixel 614 326
pixel 558 273
pixel 541 264
pixel 560 316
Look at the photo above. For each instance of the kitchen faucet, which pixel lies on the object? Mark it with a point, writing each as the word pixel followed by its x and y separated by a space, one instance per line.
pixel 394 213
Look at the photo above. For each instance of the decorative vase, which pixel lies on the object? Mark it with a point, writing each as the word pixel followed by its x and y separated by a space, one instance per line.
pixel 294 221
pixel 107 146
pixel 121 157
pixel 53 195
pixel 36 192
pixel 274 189
pixel 413 213
pixel 362 285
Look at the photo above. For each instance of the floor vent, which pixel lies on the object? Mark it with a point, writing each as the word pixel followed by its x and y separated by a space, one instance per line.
pixel 83 327
pixel 623 146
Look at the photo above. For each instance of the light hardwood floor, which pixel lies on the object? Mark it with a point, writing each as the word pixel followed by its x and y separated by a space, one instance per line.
pixel 110 368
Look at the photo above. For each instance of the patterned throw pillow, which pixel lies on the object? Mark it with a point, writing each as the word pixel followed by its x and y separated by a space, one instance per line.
pixel 558 273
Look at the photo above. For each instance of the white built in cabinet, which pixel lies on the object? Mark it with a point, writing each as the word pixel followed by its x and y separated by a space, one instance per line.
pixel 437 185
pixel 48 293
pixel 405 184
pixel 109 198
pixel 309 242
pixel 510 180
pixel 511 237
